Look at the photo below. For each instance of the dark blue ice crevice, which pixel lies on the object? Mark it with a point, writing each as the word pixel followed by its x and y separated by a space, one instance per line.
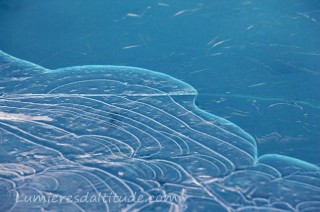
pixel 131 131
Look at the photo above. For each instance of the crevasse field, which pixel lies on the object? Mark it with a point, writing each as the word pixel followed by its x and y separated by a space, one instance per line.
pixel 221 115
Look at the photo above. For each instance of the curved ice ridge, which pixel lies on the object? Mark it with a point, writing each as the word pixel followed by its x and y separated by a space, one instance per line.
pixel 130 131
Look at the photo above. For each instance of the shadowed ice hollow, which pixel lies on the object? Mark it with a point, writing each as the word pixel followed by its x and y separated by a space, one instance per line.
pixel 88 138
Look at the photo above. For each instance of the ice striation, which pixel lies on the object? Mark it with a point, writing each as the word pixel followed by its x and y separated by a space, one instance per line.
pixel 81 132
